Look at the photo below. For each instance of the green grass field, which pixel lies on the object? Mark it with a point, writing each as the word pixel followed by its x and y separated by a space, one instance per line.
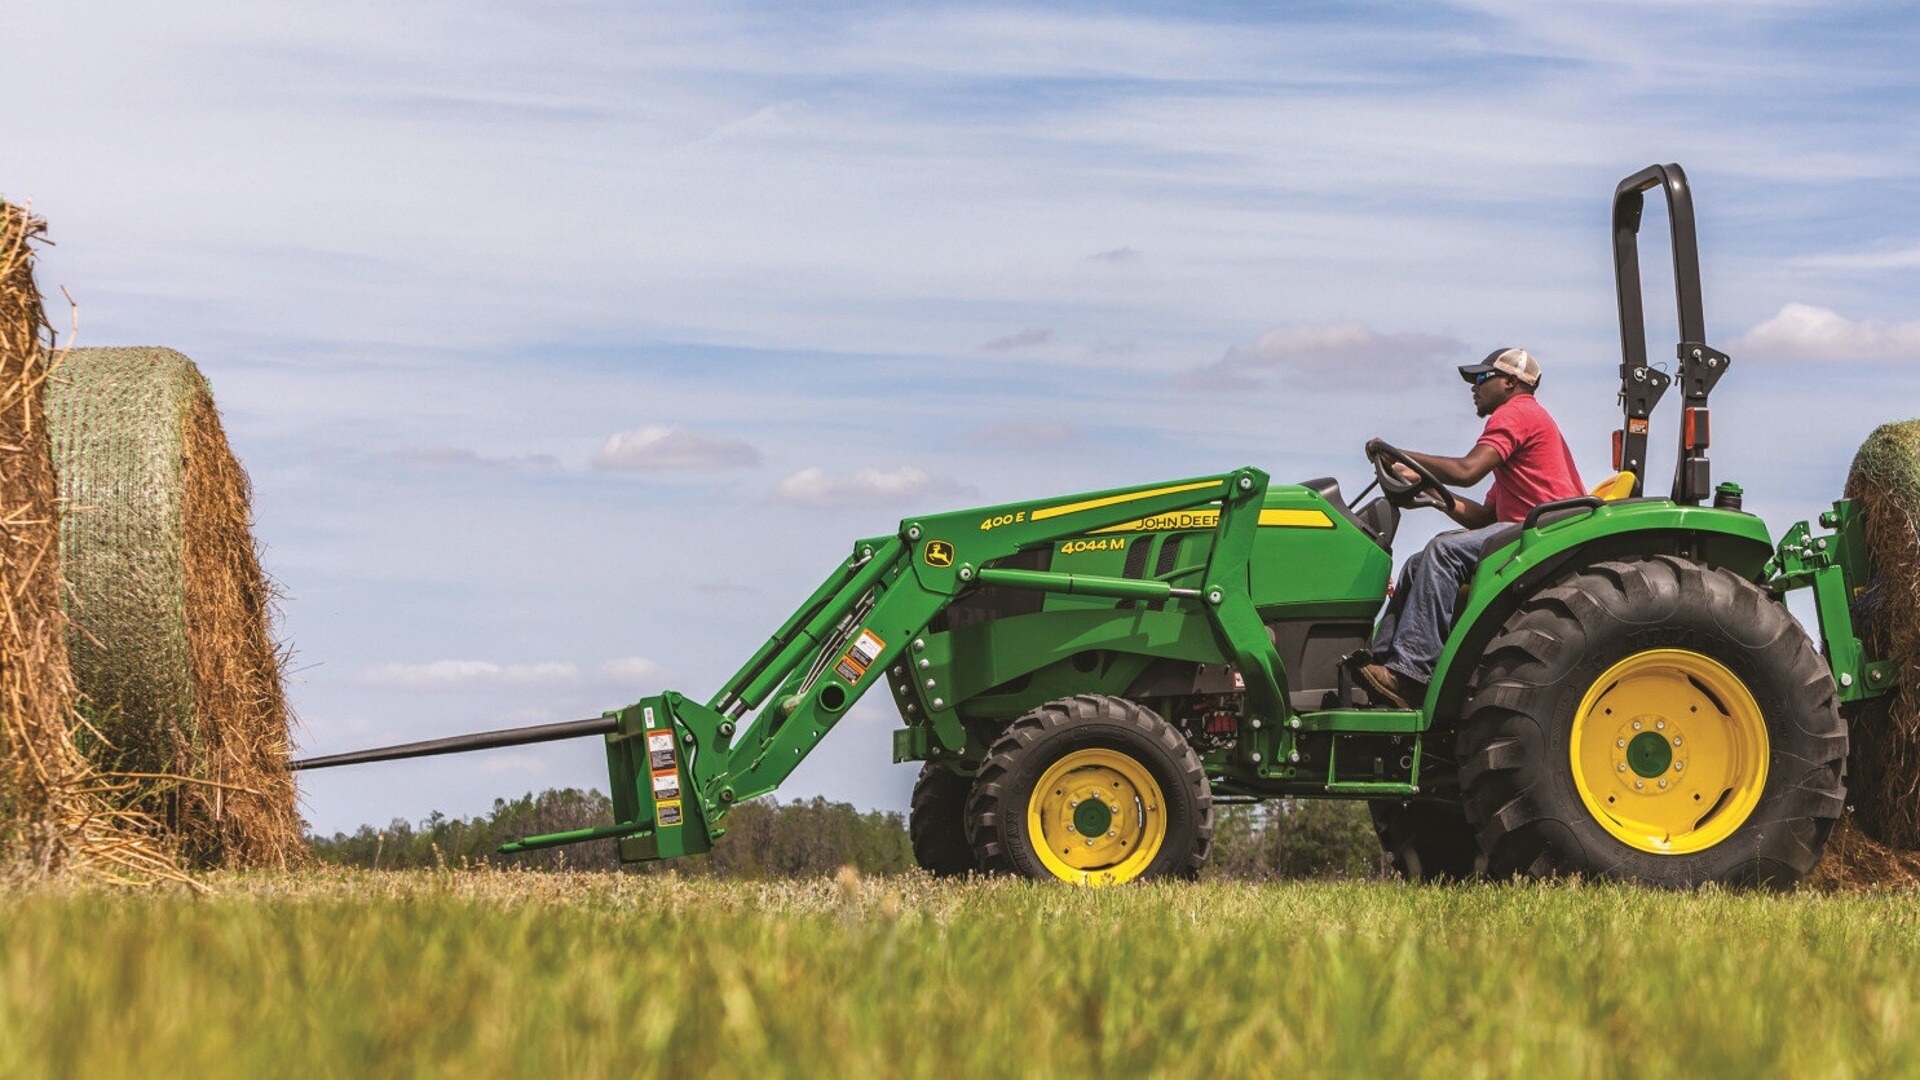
pixel 497 974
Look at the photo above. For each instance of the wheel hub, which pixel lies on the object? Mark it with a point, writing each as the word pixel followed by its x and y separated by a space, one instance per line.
pixel 1669 751
pixel 1096 817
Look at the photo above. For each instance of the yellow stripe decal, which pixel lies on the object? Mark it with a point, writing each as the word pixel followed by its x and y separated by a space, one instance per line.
pixel 1208 518
pixel 1297 519
pixel 1114 500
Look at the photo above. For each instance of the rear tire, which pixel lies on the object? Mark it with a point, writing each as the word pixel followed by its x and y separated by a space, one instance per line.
pixel 1091 790
pixel 1603 688
pixel 937 822
pixel 1427 841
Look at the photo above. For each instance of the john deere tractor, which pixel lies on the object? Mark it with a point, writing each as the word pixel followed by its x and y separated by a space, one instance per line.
pixel 1083 679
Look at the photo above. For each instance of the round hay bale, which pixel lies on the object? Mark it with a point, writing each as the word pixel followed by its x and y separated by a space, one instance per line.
pixel 173 646
pixel 1883 767
pixel 53 815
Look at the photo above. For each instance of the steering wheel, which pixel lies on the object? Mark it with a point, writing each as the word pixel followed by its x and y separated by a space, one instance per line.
pixel 1425 491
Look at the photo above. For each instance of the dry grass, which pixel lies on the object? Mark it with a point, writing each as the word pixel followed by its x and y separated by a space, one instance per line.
pixel 174 652
pixel 56 815
pixel 586 975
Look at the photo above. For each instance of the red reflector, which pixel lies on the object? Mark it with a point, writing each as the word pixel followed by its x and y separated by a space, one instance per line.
pixel 1619 438
pixel 1696 431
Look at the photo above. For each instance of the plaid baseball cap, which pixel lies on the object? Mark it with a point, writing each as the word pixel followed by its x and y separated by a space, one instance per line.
pixel 1518 363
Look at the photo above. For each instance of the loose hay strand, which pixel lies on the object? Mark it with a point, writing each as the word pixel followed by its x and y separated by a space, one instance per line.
pixel 54 819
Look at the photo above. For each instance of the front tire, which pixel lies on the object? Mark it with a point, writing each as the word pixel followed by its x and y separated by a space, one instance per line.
pixel 1091 790
pixel 1654 720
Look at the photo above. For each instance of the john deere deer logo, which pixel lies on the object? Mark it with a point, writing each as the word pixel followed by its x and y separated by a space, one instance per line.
pixel 938 553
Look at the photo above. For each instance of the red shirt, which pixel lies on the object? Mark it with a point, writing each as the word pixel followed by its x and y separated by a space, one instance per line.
pixel 1535 465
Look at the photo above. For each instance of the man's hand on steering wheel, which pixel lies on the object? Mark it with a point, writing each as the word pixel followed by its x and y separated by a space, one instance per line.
pixel 1405 482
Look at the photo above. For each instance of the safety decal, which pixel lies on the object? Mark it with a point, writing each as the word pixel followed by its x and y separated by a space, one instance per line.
pixel 938 553
pixel 660 750
pixel 666 786
pixel 860 656
pixel 1636 425
pixel 669 813
pixel 648 713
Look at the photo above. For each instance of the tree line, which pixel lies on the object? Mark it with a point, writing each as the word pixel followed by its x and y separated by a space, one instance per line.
pixel 802 838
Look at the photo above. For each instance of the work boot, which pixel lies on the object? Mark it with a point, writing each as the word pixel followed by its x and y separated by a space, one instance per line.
pixel 1383 682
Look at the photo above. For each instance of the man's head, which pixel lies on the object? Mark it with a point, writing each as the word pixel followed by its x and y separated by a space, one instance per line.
pixel 1504 373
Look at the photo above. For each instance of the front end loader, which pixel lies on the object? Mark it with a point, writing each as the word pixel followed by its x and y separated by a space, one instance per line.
pixel 1082 679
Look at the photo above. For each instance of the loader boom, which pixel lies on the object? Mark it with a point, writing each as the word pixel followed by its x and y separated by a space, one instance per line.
pixel 678 766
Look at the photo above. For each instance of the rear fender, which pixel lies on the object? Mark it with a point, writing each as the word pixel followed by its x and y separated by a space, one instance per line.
pixel 1628 529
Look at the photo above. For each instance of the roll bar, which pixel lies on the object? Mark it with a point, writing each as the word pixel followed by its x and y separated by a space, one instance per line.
pixel 1700 365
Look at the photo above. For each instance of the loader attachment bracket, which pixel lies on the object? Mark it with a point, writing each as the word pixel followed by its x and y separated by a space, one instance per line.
pixel 1836 567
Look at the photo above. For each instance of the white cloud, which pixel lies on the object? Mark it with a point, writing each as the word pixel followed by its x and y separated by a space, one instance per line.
pixel 863 487
pixel 1328 356
pixel 633 669
pixel 1805 332
pixel 460 674
pixel 658 448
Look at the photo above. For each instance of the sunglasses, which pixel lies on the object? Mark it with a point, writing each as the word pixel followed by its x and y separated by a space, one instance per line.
pixel 1483 377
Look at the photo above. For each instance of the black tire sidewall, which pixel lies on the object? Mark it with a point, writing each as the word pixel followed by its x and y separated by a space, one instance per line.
pixel 937 822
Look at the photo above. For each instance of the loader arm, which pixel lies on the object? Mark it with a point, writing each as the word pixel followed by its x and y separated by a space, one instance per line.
pixel 678 766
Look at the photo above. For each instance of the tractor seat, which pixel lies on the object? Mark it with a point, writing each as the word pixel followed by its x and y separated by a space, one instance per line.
pixel 1613 488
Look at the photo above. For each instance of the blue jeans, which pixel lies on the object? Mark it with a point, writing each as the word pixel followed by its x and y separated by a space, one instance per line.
pixel 1413 628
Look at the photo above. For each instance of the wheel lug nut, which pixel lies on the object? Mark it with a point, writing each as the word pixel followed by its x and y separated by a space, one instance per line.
pixel 1619 742
pixel 1636 725
pixel 1663 783
pixel 1676 740
pixel 1089 843
pixel 1622 768
pixel 1639 783
pixel 1070 827
pixel 1661 724
pixel 1111 832
pixel 1678 765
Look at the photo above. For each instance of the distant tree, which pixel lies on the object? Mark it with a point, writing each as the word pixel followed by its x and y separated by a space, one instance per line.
pixel 1295 838
pixel 766 838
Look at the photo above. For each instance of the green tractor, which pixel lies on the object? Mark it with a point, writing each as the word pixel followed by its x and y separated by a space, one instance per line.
pixel 1083 679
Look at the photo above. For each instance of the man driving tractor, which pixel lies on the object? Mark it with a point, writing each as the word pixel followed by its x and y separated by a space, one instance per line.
pixel 1531 464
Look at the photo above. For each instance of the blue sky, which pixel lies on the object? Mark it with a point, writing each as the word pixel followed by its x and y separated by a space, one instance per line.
pixel 568 344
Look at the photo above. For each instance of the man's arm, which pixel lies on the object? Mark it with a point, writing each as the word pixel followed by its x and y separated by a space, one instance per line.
pixel 1460 471
pixel 1471 514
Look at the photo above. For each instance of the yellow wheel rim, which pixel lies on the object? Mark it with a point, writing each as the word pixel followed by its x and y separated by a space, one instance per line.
pixel 1097 817
pixel 1669 751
